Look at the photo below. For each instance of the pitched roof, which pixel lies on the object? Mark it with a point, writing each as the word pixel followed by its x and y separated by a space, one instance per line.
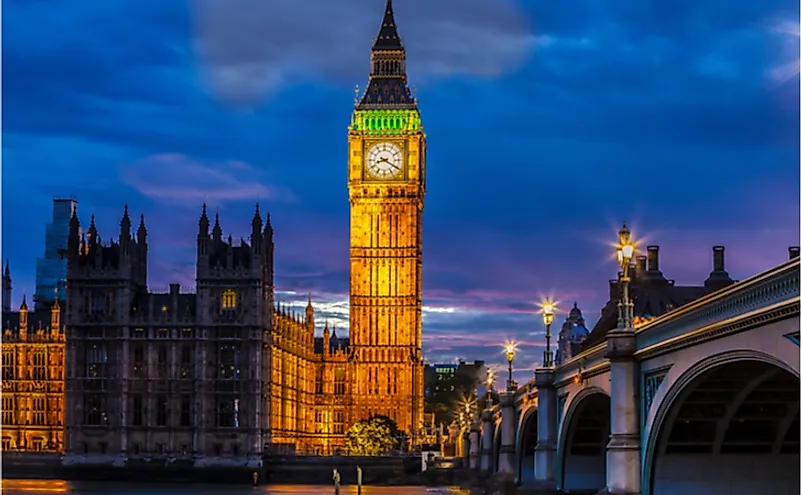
pixel 652 298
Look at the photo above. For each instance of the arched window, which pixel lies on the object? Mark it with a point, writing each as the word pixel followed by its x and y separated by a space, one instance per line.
pixel 229 299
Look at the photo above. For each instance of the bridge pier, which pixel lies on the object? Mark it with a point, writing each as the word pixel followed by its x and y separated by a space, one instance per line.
pixel 545 450
pixel 623 450
pixel 486 440
pixel 474 435
pixel 506 459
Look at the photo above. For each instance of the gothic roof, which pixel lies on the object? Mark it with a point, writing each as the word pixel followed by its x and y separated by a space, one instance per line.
pixel 36 320
pixel 334 344
pixel 387 86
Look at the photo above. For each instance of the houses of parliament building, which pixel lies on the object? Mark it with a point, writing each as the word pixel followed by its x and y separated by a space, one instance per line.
pixel 224 374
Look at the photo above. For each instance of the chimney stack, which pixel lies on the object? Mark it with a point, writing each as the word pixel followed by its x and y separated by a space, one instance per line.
pixel 614 290
pixel 717 259
pixel 718 278
pixel 640 264
pixel 653 258
pixel 794 252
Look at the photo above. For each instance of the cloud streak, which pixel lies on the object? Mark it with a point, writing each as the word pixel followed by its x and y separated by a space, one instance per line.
pixel 175 178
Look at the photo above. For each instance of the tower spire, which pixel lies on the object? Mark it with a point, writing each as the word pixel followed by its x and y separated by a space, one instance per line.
pixel 387 87
pixel 388 37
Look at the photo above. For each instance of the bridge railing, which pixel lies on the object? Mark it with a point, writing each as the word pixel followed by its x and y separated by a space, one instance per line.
pixel 770 288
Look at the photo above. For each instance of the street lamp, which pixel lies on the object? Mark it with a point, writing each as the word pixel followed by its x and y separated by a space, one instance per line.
pixel 547 318
pixel 510 350
pixel 625 253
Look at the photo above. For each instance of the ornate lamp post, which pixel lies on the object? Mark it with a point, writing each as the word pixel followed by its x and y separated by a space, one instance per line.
pixel 623 450
pixel 510 350
pixel 625 253
pixel 547 318
pixel 489 382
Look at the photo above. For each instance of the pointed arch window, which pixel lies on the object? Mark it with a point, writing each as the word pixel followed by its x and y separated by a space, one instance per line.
pixel 229 299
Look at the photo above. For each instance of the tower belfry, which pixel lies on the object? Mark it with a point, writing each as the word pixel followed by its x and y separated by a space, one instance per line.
pixel 386 182
pixel 387 87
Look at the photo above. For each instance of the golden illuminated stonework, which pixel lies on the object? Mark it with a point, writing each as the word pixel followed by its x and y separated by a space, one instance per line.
pixel 33 381
pixel 386 183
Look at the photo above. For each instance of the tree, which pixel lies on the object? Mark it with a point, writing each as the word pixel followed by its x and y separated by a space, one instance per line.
pixel 373 436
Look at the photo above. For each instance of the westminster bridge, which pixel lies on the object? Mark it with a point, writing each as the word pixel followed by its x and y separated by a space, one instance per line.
pixel 704 399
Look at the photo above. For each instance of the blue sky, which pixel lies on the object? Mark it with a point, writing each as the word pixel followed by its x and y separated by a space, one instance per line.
pixel 548 124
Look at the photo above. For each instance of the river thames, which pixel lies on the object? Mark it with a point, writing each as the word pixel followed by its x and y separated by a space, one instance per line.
pixel 48 487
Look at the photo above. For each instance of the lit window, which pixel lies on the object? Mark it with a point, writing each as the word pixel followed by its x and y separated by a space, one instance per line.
pixel 229 299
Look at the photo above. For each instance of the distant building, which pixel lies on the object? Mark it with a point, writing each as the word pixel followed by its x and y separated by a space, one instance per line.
pixel 436 375
pixel 51 269
pixel 219 373
pixel 33 379
pixel 572 335
pixel 447 377
pixel 6 289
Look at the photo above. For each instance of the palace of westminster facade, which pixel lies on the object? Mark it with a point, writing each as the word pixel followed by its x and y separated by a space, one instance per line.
pixel 225 374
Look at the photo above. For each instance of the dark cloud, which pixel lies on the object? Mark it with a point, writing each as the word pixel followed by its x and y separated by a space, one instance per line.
pixel 253 46
pixel 546 127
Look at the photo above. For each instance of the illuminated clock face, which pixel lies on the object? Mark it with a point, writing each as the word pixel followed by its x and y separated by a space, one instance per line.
pixel 384 160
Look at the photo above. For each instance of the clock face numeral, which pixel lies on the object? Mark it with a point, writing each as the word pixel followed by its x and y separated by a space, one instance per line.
pixel 384 160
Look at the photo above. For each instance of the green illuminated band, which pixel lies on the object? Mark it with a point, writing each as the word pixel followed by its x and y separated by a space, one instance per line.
pixel 385 121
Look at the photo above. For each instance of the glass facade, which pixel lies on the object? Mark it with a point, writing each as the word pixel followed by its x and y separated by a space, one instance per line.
pixel 51 269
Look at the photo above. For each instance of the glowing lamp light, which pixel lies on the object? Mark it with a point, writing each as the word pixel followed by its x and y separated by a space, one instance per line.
pixel 510 349
pixel 625 248
pixel 548 308
pixel 490 378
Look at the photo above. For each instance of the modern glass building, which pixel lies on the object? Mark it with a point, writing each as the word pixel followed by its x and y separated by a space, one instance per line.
pixel 51 270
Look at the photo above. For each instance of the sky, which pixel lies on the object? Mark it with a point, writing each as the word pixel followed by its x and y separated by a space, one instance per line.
pixel 548 124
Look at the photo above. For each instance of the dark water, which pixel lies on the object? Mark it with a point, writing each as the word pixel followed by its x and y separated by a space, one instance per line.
pixel 47 487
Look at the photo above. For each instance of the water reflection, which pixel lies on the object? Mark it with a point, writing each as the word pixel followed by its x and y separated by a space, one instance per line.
pixel 45 487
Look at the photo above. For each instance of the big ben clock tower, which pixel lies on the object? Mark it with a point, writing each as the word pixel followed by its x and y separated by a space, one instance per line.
pixel 386 184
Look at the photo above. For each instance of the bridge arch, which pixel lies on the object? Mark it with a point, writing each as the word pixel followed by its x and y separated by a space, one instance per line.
pixel 525 441
pixel 730 419
pixel 581 446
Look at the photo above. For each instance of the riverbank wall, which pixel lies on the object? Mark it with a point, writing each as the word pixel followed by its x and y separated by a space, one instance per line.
pixel 273 469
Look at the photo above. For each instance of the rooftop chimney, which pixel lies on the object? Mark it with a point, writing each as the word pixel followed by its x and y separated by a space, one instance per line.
pixel 640 266
pixel 794 252
pixel 718 278
pixel 717 258
pixel 653 258
pixel 614 290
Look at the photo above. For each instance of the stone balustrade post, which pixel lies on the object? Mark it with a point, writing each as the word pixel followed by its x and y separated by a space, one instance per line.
pixel 487 435
pixel 474 439
pixel 545 450
pixel 623 450
pixel 466 446
pixel 506 459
